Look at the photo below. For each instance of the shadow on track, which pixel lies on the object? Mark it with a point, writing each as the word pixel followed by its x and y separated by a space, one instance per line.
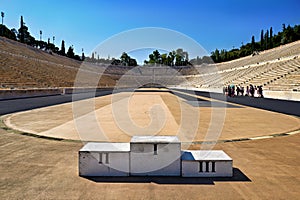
pixel 238 176
pixel 281 106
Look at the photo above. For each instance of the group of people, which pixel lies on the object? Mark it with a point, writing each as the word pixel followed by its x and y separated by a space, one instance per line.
pixel 251 91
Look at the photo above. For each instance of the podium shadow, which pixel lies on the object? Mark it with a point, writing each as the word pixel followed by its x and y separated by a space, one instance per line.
pixel 238 176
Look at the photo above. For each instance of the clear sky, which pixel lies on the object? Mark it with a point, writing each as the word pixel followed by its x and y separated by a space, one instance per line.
pixel 213 24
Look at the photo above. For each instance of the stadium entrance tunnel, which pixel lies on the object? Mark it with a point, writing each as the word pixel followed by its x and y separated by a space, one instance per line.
pixel 153 85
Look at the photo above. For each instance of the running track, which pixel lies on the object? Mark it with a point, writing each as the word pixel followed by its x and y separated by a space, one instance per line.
pixel 281 106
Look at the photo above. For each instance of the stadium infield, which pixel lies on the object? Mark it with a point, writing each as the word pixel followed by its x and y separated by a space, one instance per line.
pixel 36 168
pixel 216 120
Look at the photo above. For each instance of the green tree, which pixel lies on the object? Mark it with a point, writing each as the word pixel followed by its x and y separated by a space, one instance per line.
pixel 49 45
pixel 125 58
pixel 21 30
pixel 5 32
pixel 171 58
pixel 271 37
pixel 297 32
pixel 283 37
pixel 262 40
pixel 154 58
pixel 82 55
pixel 70 52
pixel 266 40
pixel 186 56
pixel 283 27
pixel 289 35
pixel 180 57
pixel 217 55
pixel 62 48
pixel 253 44
pixel 24 35
pixel 164 59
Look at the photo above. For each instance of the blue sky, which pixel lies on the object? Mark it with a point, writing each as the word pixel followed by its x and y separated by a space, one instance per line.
pixel 213 24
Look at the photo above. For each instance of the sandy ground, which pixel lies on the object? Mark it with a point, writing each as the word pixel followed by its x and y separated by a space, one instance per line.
pixel 36 168
pixel 116 118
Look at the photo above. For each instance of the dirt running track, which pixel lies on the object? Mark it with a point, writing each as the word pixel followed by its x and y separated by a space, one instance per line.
pixel 35 168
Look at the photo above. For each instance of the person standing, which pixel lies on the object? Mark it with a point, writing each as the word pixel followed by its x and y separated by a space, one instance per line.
pixel 247 91
pixel 252 90
pixel 260 90
pixel 229 91
pixel 237 90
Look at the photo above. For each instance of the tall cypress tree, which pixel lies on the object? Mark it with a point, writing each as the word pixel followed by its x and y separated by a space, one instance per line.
pixel 22 30
pixel 70 52
pixel 82 56
pixel 262 40
pixel 63 49
pixel 267 40
pixel 253 44
pixel 271 37
pixel 283 27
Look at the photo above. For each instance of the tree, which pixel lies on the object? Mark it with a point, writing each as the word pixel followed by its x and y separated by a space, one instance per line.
pixel 180 57
pixel 253 44
pixel 186 56
pixel 132 62
pixel 5 32
pixel 297 32
pixel 48 44
pixel 262 40
pixel 93 56
pixel 70 52
pixel 178 60
pixel 171 58
pixel 82 55
pixel 24 35
pixel 125 59
pixel 62 48
pixel 217 55
pixel 283 27
pixel 271 37
pixel 183 54
pixel 42 44
pixel 156 57
pixel 21 30
pixel 289 35
pixel 164 59
pixel 266 40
